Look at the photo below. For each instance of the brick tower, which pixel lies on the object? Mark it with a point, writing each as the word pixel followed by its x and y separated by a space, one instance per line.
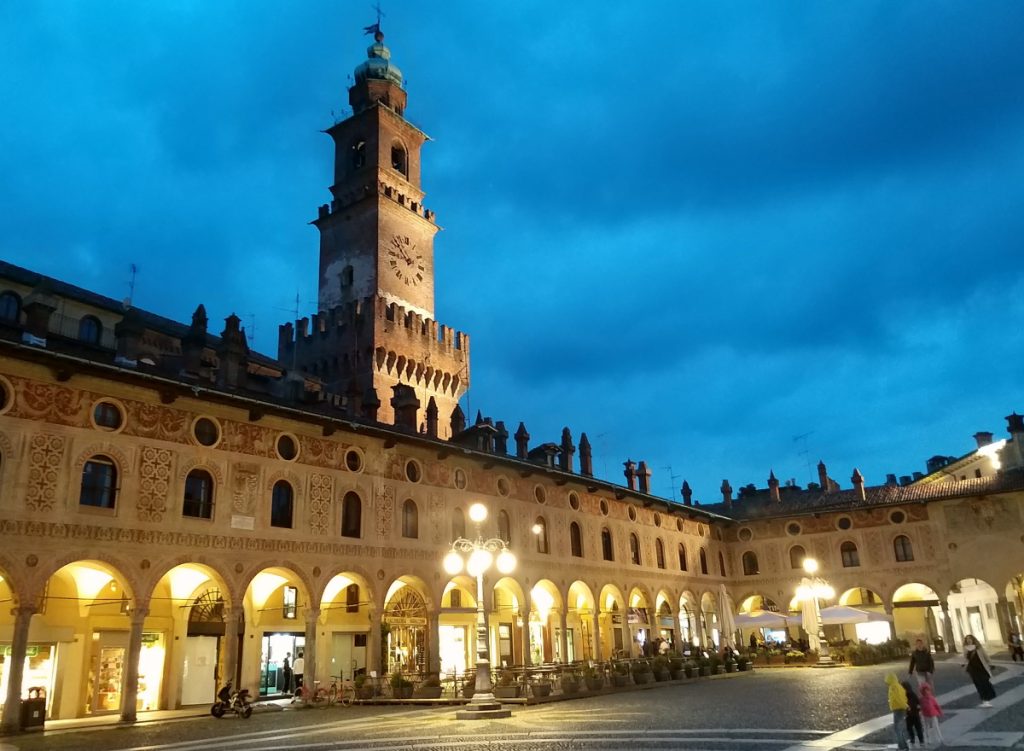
pixel 376 326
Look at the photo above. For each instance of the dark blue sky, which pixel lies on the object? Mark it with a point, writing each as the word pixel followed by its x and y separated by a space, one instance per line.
pixel 693 230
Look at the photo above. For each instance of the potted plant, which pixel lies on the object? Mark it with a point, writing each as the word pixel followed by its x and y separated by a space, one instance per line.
pixel 401 687
pixel 541 687
pixel 429 689
pixel 506 687
pixel 620 674
pixel 593 678
pixel 660 667
pixel 742 663
pixel 569 682
pixel 703 665
pixel 676 668
pixel 469 688
pixel 364 690
pixel 715 664
pixel 690 668
pixel 642 672
pixel 730 664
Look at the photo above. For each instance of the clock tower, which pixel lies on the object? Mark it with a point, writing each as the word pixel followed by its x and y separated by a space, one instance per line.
pixel 375 328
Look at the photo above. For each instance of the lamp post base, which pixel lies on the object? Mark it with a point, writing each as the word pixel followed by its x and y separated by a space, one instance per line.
pixel 483 711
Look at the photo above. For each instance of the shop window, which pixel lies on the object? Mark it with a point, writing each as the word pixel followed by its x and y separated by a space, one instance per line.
pixel 89 330
pixel 682 558
pixel 850 556
pixel 10 307
pixel 351 515
pixel 282 505
pixel 903 548
pixel 750 567
pixel 575 540
pixel 352 598
pixel 410 520
pixel 290 600
pixel 659 552
pixel 504 527
pixel 540 531
pixel 634 549
pixel 99 483
pixel 607 549
pixel 458 523
pixel 703 561
pixel 796 556
pixel 198 501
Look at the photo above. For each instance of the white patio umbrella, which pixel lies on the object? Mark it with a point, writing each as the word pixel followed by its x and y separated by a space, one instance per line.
pixel 838 615
pixel 809 616
pixel 726 617
pixel 761 619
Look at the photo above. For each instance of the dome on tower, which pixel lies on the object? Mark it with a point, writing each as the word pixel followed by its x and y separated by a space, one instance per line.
pixel 379 66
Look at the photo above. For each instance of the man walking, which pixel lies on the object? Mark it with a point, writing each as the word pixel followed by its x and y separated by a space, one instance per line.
pixel 922 663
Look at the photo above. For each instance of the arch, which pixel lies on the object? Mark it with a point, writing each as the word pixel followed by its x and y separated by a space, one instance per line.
pixel 975 609
pixel 217 472
pixel 575 540
pixel 190 574
pixel 88 582
pixel 282 505
pixel 410 519
pixel 750 565
pixel 406 614
pixel 607 544
pixel 358 153
pixel 199 495
pixel 635 555
pixel 264 600
pixel 902 548
pixel 704 561
pixel 797 554
pixel 121 459
pixel 687 610
pixel 90 330
pixel 399 158
pixel 709 625
pixel 849 554
pixel 504 526
pixel 683 562
pixel 352 515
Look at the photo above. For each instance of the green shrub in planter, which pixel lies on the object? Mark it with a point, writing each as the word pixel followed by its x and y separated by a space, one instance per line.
pixel 429 689
pixel 620 674
pixel 593 679
pixel 541 688
pixel 569 683
pixel 364 690
pixel 742 663
pixel 689 669
pixel 506 687
pixel 659 666
pixel 675 668
pixel 401 687
pixel 642 672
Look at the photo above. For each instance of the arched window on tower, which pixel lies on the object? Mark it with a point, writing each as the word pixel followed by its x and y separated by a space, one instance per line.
pixel 351 515
pixel 575 540
pixel 750 567
pixel 410 519
pixel 607 549
pixel 89 330
pixel 358 154
pixel 282 505
pixel 399 159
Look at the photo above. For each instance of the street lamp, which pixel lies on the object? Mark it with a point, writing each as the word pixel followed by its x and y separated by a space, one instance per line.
pixel 815 588
pixel 477 556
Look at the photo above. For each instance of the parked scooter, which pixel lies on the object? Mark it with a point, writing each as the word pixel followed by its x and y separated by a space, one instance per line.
pixel 232 701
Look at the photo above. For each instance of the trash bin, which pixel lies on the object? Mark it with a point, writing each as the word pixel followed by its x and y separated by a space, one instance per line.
pixel 33 709
pixel 940 645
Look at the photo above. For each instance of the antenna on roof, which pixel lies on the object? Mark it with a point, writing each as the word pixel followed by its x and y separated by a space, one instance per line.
pixel 250 332
pixel 802 440
pixel 134 270
pixel 672 481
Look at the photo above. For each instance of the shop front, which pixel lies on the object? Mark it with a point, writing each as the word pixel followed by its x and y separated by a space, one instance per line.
pixel 39 672
pixel 107 665
pixel 277 648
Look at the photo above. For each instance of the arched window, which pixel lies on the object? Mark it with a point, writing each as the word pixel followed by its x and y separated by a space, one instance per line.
pixel 89 330
pixel 504 527
pixel 903 548
pixel 347 276
pixel 607 549
pixel 99 483
pixel 352 598
pixel 848 551
pixel 10 307
pixel 410 519
pixel 540 529
pixel 796 556
pixel 282 505
pixel 351 515
pixel 721 563
pixel 703 561
pixel 659 552
pixel 399 161
pixel 634 549
pixel 750 567
pixel 682 558
pixel 358 154
pixel 575 540
pixel 458 523
pixel 198 495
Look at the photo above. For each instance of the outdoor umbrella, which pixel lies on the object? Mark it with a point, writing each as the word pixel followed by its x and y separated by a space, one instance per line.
pixel 761 619
pixel 728 620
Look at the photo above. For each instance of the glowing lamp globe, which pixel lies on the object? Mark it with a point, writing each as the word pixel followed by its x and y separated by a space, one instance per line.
pixel 479 561
pixel 506 561
pixel 477 513
pixel 810 566
pixel 453 563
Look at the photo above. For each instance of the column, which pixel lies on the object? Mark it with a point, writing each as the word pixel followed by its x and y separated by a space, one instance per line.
pixel 1003 616
pixel 563 638
pixel 373 643
pixel 309 648
pixel 19 645
pixel 230 615
pixel 130 681
pixel 597 637
pixel 433 642
pixel 524 632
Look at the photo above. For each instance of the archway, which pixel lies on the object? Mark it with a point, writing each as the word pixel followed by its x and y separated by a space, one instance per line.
pixel 709 620
pixel 974 609
pixel 277 606
pixel 1014 592
pixel 689 633
pixel 879 629
pixel 580 622
pixel 345 608
pixel 457 625
pixel 545 630
pixel 638 619
pixel 916 614
pixel 510 646
pixel 760 617
pixel 611 606
pixel 405 641
pixel 666 624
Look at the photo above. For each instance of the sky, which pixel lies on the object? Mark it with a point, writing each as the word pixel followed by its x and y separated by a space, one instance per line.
pixel 725 238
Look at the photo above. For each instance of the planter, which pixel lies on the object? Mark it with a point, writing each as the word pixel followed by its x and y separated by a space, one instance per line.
pixel 506 692
pixel 689 671
pixel 364 692
pixel 570 686
pixel 662 675
pixel 742 666
pixel 641 678
pixel 468 690
pixel 704 670
pixel 402 692
pixel 678 675
pixel 718 670
pixel 541 689
pixel 619 679
pixel 427 692
pixel 594 683
pixel 730 667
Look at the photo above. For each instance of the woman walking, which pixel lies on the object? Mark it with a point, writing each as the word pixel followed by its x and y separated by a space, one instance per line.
pixel 977 664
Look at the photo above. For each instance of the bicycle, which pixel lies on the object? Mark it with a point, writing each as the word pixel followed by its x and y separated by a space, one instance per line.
pixel 327 697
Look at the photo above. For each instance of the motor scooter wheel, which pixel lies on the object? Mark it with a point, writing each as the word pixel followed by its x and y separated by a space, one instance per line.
pixel 217 710
pixel 246 712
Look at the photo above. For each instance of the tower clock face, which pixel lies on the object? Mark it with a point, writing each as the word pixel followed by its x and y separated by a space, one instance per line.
pixel 405 261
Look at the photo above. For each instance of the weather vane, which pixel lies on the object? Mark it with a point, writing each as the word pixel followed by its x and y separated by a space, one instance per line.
pixel 375 28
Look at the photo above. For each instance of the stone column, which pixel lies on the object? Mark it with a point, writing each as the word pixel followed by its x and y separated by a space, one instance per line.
pixel 230 615
pixel 373 643
pixel 563 638
pixel 947 627
pixel 130 681
pixel 1003 616
pixel 309 664
pixel 434 642
pixel 597 636
pixel 11 721
pixel 524 632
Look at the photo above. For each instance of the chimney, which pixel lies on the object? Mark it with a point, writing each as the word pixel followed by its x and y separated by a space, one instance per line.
pixel 39 305
pixel 890 480
pixel 405 405
pixel 858 484
pixel 630 473
pixel 687 493
pixel 565 458
pixel 128 335
pixel 458 420
pixel 1014 424
pixel 371 403
pixel 773 487
pixel 643 475
pixel 826 486
pixel 501 438
pixel 726 493
pixel 586 459
pixel 432 418
pixel 232 354
pixel 983 438
pixel 522 437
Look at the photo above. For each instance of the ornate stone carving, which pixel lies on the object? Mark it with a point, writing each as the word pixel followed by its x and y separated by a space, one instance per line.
pixel 154 483
pixel 385 504
pixel 437 519
pixel 248 439
pixel 153 421
pixel 46 453
pixel 49 402
pixel 245 484
pixel 321 493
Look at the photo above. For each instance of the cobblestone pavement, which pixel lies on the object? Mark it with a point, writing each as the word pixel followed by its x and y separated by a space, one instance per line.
pixel 776 710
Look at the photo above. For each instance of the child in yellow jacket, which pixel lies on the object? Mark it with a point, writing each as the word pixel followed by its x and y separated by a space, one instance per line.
pixel 898 704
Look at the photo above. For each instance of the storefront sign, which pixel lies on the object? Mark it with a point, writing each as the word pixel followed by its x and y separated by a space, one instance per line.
pixel 30 651
pixel 398 620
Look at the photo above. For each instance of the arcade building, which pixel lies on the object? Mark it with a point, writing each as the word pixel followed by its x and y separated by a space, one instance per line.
pixel 177 510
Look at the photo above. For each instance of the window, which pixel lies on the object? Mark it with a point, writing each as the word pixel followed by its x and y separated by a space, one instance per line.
pixel 458 523
pixel 353 460
pixel 793 529
pixel 750 567
pixel 89 330
pixel 721 563
pixel 898 517
pixel 198 495
pixel 206 431
pixel 351 515
pixel 410 520
pixel 504 527
pixel 659 552
pixel 398 160
pixel 290 599
pixel 575 540
pixel 903 548
pixel 282 504
pixel 358 154
pixel 844 522
pixel 796 556
pixel 287 448
pixel 10 307
pixel 352 598
pixel 455 598
pixel 682 558
pixel 347 277
pixel 540 529
pixel 574 501
pixel 634 549
pixel 607 549
pixel 703 561
pixel 412 471
pixel 850 556
pixel 107 416
pixel 99 483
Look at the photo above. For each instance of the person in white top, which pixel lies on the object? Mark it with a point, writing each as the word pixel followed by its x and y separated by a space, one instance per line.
pixel 297 667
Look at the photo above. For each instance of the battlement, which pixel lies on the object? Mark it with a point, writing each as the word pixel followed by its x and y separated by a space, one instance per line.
pixel 347 198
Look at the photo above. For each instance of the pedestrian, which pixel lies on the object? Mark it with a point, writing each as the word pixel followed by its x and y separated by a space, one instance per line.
pixel 298 667
pixel 898 705
pixel 922 663
pixel 753 642
pixel 977 665
pixel 913 714
pixel 931 712
pixel 286 674
pixel 1016 647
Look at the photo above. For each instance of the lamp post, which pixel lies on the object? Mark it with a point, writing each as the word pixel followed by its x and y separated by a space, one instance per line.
pixel 477 556
pixel 817 589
